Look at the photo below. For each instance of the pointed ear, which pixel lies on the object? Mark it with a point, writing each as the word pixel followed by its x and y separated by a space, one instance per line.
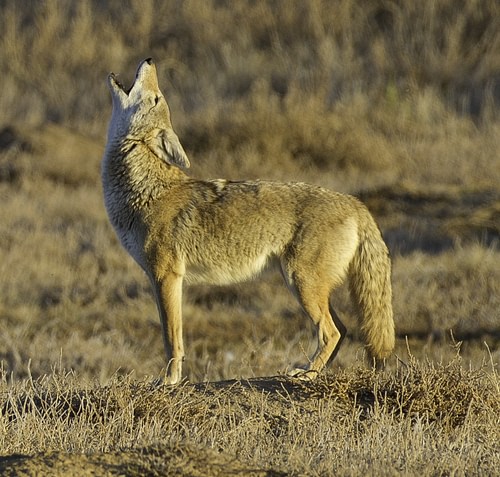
pixel 165 144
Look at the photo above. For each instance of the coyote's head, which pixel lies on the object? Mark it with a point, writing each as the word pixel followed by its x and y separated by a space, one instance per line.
pixel 141 114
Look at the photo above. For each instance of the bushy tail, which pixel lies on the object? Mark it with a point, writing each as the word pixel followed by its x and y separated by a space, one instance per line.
pixel 371 290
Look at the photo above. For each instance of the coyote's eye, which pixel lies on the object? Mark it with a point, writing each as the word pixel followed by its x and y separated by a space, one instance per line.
pixel 157 100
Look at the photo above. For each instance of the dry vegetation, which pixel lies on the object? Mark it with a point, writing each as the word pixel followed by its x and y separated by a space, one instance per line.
pixel 396 102
pixel 426 418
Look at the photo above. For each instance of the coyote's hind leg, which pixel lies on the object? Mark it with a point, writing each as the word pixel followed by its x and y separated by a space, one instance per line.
pixel 330 330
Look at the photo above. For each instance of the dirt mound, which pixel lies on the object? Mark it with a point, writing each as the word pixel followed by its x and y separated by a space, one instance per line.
pixel 131 427
pixel 180 459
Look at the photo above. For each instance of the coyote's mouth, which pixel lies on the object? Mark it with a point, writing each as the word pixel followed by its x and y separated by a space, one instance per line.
pixel 140 76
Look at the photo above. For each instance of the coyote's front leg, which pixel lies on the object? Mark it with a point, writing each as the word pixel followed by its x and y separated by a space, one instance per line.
pixel 168 294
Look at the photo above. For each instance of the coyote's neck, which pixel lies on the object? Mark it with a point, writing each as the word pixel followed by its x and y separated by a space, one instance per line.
pixel 134 176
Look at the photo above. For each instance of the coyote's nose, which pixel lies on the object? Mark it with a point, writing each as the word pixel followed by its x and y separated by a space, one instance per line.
pixel 149 61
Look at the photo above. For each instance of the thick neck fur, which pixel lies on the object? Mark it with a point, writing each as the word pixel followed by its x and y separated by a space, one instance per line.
pixel 134 176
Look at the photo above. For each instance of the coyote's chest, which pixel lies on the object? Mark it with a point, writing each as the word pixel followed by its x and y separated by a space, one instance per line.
pixel 133 244
pixel 126 222
pixel 130 187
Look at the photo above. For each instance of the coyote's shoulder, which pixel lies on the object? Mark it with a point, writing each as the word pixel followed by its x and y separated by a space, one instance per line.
pixel 217 231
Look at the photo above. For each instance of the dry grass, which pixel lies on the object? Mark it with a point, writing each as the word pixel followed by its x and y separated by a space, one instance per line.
pixel 423 418
pixel 394 102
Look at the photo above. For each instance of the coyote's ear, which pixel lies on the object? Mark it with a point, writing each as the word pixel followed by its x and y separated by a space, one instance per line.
pixel 166 145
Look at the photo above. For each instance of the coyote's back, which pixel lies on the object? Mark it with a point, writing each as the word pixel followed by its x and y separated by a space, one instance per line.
pixel 219 232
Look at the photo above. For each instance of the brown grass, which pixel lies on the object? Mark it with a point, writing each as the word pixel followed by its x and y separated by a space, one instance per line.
pixel 393 102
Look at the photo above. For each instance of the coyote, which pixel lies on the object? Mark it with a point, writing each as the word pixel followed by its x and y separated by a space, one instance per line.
pixel 219 232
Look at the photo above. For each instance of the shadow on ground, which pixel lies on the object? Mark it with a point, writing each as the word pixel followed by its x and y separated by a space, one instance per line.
pixel 434 219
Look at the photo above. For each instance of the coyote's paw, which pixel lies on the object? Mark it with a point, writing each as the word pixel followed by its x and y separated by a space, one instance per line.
pixel 303 374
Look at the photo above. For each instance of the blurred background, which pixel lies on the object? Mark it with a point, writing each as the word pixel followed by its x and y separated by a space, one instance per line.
pixel 396 102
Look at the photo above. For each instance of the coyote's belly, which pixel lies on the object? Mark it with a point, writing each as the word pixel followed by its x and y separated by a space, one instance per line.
pixel 225 272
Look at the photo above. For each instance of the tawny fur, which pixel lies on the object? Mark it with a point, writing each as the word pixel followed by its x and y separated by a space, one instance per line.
pixel 180 229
